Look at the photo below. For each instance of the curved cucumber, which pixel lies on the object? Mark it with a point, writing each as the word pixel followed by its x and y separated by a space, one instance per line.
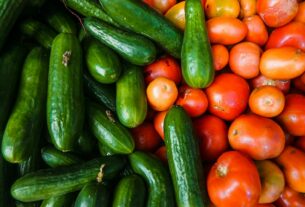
pixel 59 201
pixel 104 150
pixel 86 143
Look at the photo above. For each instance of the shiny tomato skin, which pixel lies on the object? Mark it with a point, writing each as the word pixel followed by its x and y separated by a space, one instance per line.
pixel 300 17
pixel 290 198
pixel 299 84
pixel 257 31
pixel 161 5
pixel 234 181
pixel 176 15
pixel 228 96
pixel 159 122
pixel 261 80
pixel 224 8
pixel 220 56
pixel 265 205
pixel 247 8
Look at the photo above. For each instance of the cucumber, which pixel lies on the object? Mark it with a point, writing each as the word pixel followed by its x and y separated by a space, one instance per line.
pixel 59 201
pixel 86 143
pixel 104 150
pixel 37 30
pixel 131 100
pixel 9 13
pixel 55 158
pixel 183 159
pixel 32 7
pixel 47 183
pixel 157 178
pixel 25 122
pixel 138 17
pixel 132 47
pixel 108 130
pixel 103 64
pixel 65 102
pixel 130 192
pixel 196 55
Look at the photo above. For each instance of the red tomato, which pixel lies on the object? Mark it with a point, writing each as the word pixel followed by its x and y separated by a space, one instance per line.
pixel 193 100
pixel 293 116
pixel 226 30
pixel 161 154
pixel 257 31
pixel 276 13
pixel 290 198
pixel 247 8
pixel 158 123
pixel 292 161
pixel 261 80
pixel 259 137
pixel 224 8
pixel 265 205
pixel 176 15
pixel 220 56
pixel 212 134
pixel 292 34
pixel 160 5
pixel 228 96
pixel 299 84
pixel 300 143
pixel 234 181
pixel 300 17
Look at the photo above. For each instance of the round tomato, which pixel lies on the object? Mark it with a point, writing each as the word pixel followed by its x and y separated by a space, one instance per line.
pixel 300 17
pixel 212 134
pixel 261 80
pixel 299 84
pixel 292 161
pixel 160 5
pixel 257 31
pixel 220 56
pixel 161 154
pixel 247 8
pixel 228 96
pixel 176 15
pixel 259 137
pixel 224 8
pixel 300 143
pixel 158 123
pixel 290 198
pixel 293 116
pixel 265 205
pixel 233 181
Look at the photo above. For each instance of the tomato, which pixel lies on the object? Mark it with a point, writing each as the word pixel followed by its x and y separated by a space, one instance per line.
pixel 193 100
pixel 261 80
pixel 292 161
pixel 303 78
pixel 224 8
pixel 228 96
pixel 272 181
pixel 161 93
pixel 265 205
pixel 257 31
pixel 290 198
pixel 176 15
pixel 161 154
pixel 220 56
pixel 233 181
pixel 259 137
pixel 299 84
pixel 276 13
pixel 166 66
pixel 244 59
pixel 226 30
pixel 160 5
pixel 267 101
pixel 292 34
pixel 293 116
pixel 212 134
pixel 289 138
pixel 158 123
pixel 300 17
pixel 300 143
pixel 247 8
pixel 282 63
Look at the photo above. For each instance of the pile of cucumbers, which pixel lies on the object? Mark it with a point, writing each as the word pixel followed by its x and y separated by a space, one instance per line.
pixel 71 84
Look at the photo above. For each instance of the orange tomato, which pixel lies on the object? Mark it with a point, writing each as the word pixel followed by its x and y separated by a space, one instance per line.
pixel 226 30
pixel 161 5
pixel 261 80
pixel 257 31
pixel 244 59
pixel 161 93
pixel 290 198
pixel 224 8
pixel 159 122
pixel 220 56
pixel 300 17
pixel 176 15
pixel 282 63
pixel 292 161
pixel 247 8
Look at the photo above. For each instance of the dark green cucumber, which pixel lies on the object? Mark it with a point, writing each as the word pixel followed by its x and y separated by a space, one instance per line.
pixel 59 201
pixel 104 150
pixel 103 63
pixel 131 100
pixel 157 178
pixel 130 192
pixel 102 93
pixel 196 55
pixel 42 33
pixel 93 194
pixel 25 122
pixel 32 7
pixel 47 183
pixel 183 159
pixel 86 143
pixel 55 158
pixel 108 130
pixel 139 17
pixel 134 48
pixel 9 12
pixel 65 105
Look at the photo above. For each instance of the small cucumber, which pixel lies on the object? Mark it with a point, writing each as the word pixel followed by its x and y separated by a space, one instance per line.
pixel 65 200
pixel 86 143
pixel 131 100
pixel 157 178
pixel 104 150
pixel 134 48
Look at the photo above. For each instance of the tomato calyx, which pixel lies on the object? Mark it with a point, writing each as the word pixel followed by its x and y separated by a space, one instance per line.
pixel 222 170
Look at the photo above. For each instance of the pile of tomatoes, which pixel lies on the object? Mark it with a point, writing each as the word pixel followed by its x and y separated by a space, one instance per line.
pixel 250 122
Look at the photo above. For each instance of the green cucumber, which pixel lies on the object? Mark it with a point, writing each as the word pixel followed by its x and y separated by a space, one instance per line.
pixel 134 48
pixel 138 17
pixel 103 64
pixel 47 183
pixel 42 33
pixel 108 130
pixel 32 7
pixel 104 150
pixel 130 192
pixel 25 122
pixel 65 200
pixel 157 178
pixel 86 143
pixel 183 159
pixel 131 100
pixel 196 55
pixel 65 103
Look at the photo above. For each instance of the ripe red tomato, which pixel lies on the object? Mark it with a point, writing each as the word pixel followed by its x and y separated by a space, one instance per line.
pixel 161 154
pixel 299 84
pixel 265 205
pixel 161 5
pixel 228 96
pixel 261 80
pixel 290 198
pixel 158 123
pixel 212 134
pixel 259 137
pixel 257 31
pixel 220 56
pixel 234 181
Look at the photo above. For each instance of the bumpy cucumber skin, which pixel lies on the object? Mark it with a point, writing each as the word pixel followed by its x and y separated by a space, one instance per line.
pixel 183 159
pixel 196 56
pixel 65 102
pixel 59 201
